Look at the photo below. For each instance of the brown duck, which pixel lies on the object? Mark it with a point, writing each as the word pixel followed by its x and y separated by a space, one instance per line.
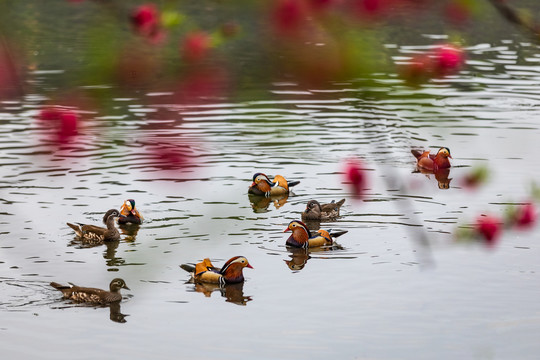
pixel 98 234
pixel 322 212
pixel 92 295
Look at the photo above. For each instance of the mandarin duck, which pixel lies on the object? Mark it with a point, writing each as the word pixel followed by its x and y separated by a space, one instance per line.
pixel 92 295
pixel 98 234
pixel 263 186
pixel 302 237
pixel 128 213
pixel 230 273
pixel 428 161
pixel 323 212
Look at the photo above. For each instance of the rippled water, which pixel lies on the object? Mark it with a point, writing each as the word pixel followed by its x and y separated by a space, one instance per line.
pixel 383 294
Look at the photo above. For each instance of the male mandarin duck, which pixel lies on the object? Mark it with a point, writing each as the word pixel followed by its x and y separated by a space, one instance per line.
pixel 263 186
pixel 303 238
pixel 128 213
pixel 92 295
pixel 97 234
pixel 428 161
pixel 324 212
pixel 230 273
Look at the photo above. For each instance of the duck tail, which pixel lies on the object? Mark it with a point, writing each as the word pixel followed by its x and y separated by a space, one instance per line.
pixel 188 267
pixel 340 203
pixel 293 183
pixel 75 228
pixel 58 286
pixel 417 153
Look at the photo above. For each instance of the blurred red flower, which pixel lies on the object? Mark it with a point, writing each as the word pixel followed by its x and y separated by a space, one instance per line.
pixel 444 60
pixel 448 59
pixel 525 215
pixel 195 46
pixel 289 15
pixel 146 22
pixel 64 122
pixel 355 175
pixel 489 228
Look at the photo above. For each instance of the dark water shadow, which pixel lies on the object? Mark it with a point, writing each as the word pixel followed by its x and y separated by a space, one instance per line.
pixel 442 176
pixel 233 293
pixel 260 203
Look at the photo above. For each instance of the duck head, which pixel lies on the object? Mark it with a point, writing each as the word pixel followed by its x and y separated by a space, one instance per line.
pixel 262 182
pixel 232 269
pixel 444 152
pixel 117 284
pixel 300 234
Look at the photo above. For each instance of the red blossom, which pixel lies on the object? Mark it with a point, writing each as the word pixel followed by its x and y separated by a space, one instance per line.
pixel 146 22
pixel 457 13
pixel 289 15
pixel 488 227
pixel 525 215
pixel 64 122
pixel 195 46
pixel 355 175
pixel 448 59
pixel 444 60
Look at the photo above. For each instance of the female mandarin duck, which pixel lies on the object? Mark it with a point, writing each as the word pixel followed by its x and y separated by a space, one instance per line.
pixel 428 161
pixel 323 212
pixel 263 186
pixel 97 234
pixel 93 295
pixel 302 237
pixel 230 273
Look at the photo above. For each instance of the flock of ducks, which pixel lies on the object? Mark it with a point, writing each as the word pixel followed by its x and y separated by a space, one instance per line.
pixel 232 270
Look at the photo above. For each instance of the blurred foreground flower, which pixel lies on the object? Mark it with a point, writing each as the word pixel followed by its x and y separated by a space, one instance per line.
pixel 522 216
pixel 64 123
pixel 355 175
pixel 488 227
pixel 195 46
pixel 146 22
pixel 476 177
pixel 444 60
pixel 168 155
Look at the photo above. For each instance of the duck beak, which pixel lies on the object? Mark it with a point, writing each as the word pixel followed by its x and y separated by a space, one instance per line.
pixel 126 287
pixel 249 266
pixel 287 229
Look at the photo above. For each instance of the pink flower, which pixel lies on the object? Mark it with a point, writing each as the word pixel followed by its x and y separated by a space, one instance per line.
pixel 525 215
pixel 64 122
pixel 488 227
pixel 195 46
pixel 355 175
pixel 448 60
pixel 146 21
pixel 289 15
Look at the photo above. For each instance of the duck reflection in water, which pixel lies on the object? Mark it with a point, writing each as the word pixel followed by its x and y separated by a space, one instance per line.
pixel 298 258
pixel 441 175
pixel 233 293
pixel 260 203
pixel 130 231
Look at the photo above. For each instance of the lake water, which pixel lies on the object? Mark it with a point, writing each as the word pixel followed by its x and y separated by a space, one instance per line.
pixel 385 294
